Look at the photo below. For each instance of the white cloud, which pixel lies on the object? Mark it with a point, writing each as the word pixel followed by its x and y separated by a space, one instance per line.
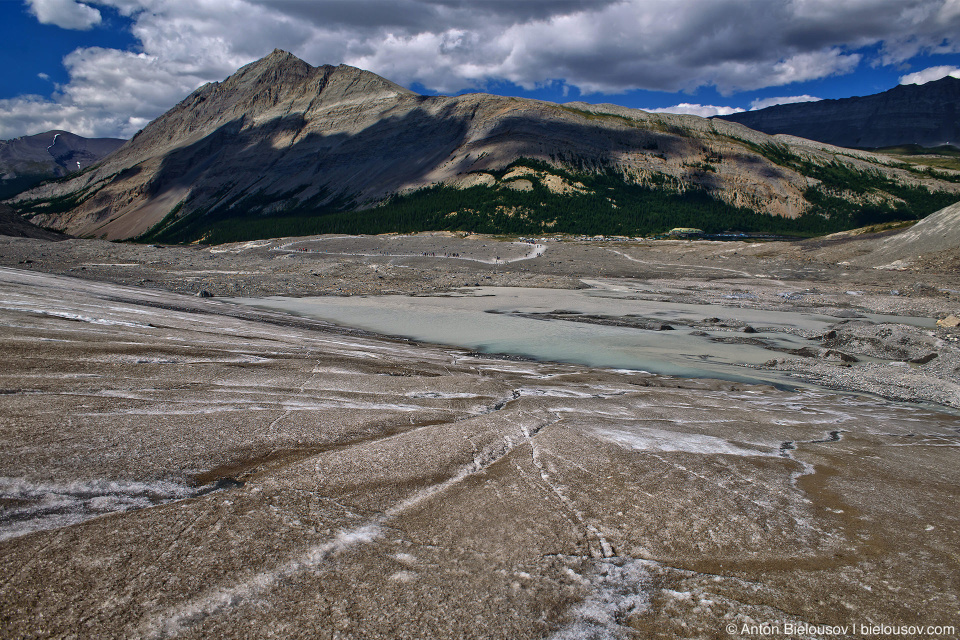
pixel 111 93
pixel 31 114
pixel 66 14
pixel 595 46
pixel 656 44
pixel 763 103
pixel 930 74
pixel 702 110
pixel 813 65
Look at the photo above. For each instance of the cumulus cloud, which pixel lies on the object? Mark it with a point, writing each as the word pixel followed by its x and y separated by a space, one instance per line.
pixel 66 14
pixel 657 44
pixel 596 46
pixel 31 114
pixel 702 110
pixel 111 93
pixel 930 74
pixel 763 103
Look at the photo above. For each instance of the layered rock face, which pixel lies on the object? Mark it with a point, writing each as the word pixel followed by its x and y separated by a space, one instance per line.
pixel 281 135
pixel 27 160
pixel 927 115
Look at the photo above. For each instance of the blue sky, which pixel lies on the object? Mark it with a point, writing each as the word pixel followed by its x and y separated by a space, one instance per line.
pixel 107 67
pixel 30 48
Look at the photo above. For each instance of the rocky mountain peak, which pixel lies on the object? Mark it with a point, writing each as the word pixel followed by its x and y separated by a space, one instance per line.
pixel 279 55
pixel 279 84
pixel 281 74
pixel 277 67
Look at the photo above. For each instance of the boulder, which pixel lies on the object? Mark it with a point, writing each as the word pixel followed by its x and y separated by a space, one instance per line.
pixel 950 321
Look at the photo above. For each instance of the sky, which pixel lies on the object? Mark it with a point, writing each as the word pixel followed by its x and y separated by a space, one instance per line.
pixel 105 68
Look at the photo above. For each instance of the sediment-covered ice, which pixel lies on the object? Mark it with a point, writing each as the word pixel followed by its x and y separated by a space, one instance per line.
pixel 644 439
pixel 29 506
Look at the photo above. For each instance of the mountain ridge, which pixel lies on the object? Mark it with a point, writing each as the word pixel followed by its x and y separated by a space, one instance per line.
pixel 927 115
pixel 281 137
pixel 27 160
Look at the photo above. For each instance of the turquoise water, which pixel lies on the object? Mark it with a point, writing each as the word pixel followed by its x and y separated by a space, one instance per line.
pixel 485 319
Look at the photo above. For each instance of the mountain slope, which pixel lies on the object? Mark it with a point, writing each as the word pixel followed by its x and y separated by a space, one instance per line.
pixel 12 224
pixel 28 160
pixel 281 139
pixel 927 115
pixel 937 233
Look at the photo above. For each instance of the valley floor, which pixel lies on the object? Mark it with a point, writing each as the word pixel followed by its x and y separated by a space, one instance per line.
pixel 177 466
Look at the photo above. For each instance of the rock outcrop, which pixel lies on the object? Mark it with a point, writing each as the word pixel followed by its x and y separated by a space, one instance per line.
pixel 281 136
pixel 927 115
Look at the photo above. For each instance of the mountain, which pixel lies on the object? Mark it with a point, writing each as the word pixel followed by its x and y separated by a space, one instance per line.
pixel 285 148
pixel 28 160
pixel 927 115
